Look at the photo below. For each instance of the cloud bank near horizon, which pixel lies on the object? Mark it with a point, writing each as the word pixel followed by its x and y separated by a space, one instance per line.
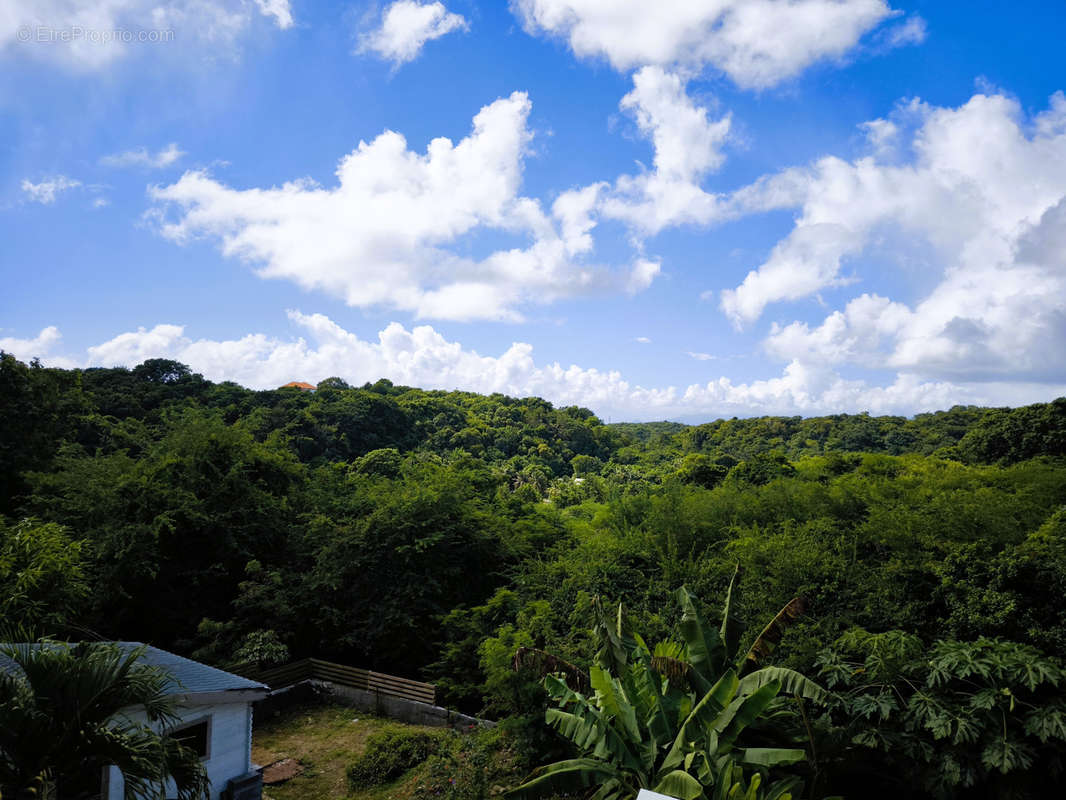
pixel 422 357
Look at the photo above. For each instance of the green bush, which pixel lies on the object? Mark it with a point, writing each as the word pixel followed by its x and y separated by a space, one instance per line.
pixel 479 765
pixel 390 753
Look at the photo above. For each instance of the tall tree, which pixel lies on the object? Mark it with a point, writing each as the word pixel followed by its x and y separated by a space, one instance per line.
pixel 42 575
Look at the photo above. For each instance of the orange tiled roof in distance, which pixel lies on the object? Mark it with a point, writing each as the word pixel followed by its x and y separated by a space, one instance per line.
pixel 307 387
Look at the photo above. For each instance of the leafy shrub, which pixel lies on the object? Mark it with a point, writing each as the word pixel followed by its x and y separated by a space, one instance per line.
pixel 982 719
pixel 262 647
pixel 478 765
pixel 390 753
pixel 762 469
pixel 700 470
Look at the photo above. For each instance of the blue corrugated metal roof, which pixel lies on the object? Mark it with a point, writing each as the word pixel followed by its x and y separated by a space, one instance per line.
pixel 189 677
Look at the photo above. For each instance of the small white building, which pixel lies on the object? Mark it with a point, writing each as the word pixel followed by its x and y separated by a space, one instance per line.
pixel 216 721
pixel 215 711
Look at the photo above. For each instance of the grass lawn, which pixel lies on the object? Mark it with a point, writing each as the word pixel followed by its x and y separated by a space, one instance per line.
pixel 325 740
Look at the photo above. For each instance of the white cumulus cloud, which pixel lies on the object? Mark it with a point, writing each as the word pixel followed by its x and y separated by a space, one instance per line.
pixel 40 347
pixel 381 236
pixel 688 145
pixel 757 43
pixel 981 177
pixel 278 9
pixel 912 30
pixel 48 189
pixel 986 195
pixel 406 26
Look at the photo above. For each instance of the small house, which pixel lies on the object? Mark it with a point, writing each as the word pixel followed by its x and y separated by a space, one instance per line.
pixel 216 721
pixel 215 710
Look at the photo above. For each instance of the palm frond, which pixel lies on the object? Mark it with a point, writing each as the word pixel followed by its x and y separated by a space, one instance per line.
pixel 65 712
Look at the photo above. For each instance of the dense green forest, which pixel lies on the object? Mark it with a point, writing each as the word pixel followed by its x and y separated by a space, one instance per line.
pixel 432 534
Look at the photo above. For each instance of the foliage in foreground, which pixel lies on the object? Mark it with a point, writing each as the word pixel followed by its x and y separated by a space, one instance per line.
pixel 476 765
pixel 981 719
pixel 671 720
pixel 42 574
pixel 63 719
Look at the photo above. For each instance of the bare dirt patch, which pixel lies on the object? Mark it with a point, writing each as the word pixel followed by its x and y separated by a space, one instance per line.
pixel 281 771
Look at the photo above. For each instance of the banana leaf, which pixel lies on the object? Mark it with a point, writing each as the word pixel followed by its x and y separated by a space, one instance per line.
pixel 784 789
pixel 614 703
pixel 732 627
pixel 792 682
pixel 749 710
pixel 543 663
pixel 564 777
pixel 658 712
pixel 706 653
pixel 611 655
pixel 703 716
pixel 766 641
pixel 769 756
pixel 680 784
pixel 613 789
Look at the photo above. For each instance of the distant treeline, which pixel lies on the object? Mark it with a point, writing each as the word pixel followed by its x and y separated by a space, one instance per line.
pixel 970 434
pixel 44 407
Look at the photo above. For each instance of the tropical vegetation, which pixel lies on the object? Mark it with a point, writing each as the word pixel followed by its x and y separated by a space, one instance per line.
pixel 435 534
pixel 671 719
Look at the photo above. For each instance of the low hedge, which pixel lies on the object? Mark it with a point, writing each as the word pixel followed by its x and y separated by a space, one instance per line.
pixel 390 753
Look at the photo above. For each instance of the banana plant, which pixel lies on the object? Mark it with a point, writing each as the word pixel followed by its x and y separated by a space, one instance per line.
pixel 737 785
pixel 709 652
pixel 669 719
pixel 655 720
pixel 637 731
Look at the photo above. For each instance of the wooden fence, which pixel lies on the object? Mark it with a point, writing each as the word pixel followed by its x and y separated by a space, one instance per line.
pixel 316 669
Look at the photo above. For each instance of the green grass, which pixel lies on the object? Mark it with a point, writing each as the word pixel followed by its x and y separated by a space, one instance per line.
pixel 325 740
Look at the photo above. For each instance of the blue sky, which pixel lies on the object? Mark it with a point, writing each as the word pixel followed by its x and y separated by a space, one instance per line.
pixel 676 210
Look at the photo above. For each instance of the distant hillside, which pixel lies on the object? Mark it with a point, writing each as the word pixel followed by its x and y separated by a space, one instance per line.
pixel 648 431
pixel 966 433
pixel 94 408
